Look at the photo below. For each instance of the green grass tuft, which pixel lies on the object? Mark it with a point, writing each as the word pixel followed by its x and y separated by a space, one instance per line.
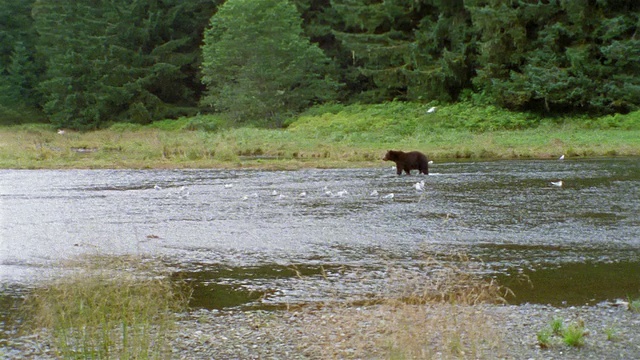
pixel 557 326
pixel 573 335
pixel 634 305
pixel 121 308
pixel 612 333
pixel 544 337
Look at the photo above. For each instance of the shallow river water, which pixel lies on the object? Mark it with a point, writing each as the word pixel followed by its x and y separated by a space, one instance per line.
pixel 292 234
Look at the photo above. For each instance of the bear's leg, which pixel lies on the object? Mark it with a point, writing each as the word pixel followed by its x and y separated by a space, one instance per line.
pixel 398 169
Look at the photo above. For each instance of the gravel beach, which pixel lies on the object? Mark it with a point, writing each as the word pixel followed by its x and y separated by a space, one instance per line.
pixel 369 332
pixel 610 333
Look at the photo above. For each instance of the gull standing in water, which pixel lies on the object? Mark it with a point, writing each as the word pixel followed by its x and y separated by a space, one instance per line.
pixel 557 183
pixel 342 193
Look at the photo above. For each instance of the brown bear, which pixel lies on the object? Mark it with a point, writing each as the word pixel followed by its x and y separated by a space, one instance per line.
pixel 408 161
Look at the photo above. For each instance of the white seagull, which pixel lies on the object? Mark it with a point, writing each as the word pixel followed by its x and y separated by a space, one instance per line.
pixel 561 157
pixel 432 110
pixel 557 183
pixel 374 193
pixel 419 185
pixel 389 196
pixel 342 193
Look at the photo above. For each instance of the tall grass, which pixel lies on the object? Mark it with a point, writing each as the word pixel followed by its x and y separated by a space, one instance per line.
pixel 112 308
pixel 431 312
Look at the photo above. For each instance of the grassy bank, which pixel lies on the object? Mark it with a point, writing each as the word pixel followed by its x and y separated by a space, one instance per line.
pixel 327 136
pixel 109 307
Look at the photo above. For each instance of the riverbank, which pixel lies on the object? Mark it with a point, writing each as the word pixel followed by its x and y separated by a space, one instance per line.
pixel 421 332
pixel 384 332
pixel 324 137
pixel 43 148
pixel 445 314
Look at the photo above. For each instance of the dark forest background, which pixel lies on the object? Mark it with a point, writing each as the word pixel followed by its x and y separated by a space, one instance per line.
pixel 86 64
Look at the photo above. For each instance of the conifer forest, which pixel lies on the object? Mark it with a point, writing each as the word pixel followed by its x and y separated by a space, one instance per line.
pixel 85 64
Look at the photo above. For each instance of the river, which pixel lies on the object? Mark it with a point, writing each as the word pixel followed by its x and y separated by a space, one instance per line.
pixel 234 232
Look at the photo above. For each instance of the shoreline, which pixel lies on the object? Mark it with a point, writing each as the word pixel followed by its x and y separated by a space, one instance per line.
pixel 328 332
pixel 287 165
pixel 283 149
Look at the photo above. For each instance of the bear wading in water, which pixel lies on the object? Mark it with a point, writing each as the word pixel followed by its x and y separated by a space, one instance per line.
pixel 407 161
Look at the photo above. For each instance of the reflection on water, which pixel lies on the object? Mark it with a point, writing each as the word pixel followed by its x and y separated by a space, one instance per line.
pixel 575 283
pixel 261 223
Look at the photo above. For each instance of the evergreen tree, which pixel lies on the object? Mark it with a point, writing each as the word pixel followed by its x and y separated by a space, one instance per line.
pixel 559 55
pixel 73 42
pixel 257 64
pixel 117 60
pixel 405 49
pixel 19 69
pixel 445 48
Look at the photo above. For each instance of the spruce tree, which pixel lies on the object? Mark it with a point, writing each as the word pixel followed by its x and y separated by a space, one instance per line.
pixel 258 65
pixel 20 70
pixel 407 50
pixel 117 60
pixel 559 56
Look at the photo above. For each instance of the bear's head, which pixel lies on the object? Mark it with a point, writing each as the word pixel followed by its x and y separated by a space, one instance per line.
pixel 391 155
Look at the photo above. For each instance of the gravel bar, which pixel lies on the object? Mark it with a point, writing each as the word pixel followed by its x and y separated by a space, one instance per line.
pixel 326 332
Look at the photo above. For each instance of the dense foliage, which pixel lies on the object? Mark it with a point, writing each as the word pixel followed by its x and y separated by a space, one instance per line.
pixel 261 66
pixel 87 63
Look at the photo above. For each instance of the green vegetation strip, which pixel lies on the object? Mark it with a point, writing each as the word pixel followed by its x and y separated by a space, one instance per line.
pixel 325 136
